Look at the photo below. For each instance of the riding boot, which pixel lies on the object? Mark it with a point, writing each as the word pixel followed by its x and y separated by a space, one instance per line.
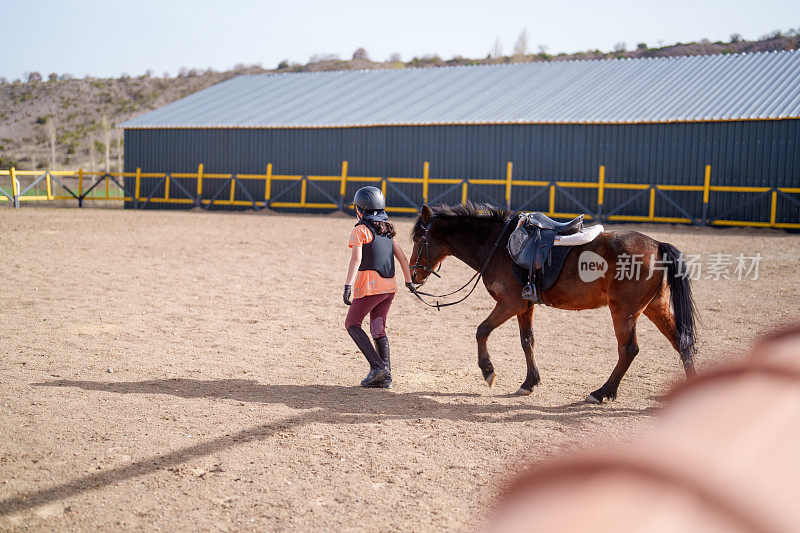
pixel 382 344
pixel 378 373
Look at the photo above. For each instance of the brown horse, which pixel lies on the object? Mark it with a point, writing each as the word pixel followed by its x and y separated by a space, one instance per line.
pixel 469 232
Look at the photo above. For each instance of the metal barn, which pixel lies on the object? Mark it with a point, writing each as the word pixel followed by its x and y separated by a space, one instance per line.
pixel 707 139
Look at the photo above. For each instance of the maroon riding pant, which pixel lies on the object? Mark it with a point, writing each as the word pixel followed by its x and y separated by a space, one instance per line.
pixel 377 306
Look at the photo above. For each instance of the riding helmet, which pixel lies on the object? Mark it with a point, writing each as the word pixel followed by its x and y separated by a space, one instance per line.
pixel 369 199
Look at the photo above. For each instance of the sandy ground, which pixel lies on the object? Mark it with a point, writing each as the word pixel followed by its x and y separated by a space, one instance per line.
pixel 166 370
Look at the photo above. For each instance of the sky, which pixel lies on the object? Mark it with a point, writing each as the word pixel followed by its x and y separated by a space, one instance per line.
pixel 109 38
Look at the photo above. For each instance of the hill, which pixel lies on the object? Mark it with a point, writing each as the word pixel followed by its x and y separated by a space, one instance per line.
pixel 84 111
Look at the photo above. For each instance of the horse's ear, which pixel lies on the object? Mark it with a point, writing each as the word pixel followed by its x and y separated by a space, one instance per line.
pixel 425 214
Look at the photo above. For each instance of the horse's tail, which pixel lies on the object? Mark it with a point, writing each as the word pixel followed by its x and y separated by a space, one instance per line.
pixel 683 306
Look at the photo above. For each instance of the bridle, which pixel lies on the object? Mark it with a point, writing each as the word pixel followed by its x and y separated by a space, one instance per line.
pixel 423 244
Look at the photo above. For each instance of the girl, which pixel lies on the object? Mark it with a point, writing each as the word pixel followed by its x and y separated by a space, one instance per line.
pixel 371 272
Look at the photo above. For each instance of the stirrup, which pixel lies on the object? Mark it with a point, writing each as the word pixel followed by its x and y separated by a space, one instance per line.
pixel 527 292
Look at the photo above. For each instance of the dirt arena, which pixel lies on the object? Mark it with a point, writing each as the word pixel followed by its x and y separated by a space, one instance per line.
pixel 184 370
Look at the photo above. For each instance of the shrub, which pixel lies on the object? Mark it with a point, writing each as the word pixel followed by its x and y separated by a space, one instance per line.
pixel 360 55
pixel 7 162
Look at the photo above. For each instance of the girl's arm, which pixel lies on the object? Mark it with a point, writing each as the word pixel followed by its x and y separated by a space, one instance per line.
pixel 355 261
pixel 398 253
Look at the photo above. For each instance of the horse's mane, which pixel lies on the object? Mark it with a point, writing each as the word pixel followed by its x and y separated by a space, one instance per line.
pixel 466 211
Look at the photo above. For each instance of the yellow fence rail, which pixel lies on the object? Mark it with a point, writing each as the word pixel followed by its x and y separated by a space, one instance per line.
pixel 53 185
pixel 173 189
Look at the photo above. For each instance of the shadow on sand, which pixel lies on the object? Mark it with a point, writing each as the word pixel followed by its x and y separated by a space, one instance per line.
pixel 327 404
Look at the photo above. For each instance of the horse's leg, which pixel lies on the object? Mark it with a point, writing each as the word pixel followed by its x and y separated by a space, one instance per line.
pixel 660 313
pixel 525 320
pixel 499 314
pixel 625 329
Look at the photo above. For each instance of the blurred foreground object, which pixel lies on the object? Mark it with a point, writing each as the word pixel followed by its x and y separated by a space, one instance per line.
pixel 723 456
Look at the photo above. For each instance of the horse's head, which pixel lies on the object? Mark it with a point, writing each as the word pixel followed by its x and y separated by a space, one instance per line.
pixel 429 251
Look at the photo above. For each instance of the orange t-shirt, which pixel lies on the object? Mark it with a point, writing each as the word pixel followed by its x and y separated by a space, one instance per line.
pixel 368 282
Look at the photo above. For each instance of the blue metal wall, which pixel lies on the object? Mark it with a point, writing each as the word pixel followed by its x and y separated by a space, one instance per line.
pixel 743 153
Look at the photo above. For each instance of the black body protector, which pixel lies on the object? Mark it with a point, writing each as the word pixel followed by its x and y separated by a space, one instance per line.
pixel 377 255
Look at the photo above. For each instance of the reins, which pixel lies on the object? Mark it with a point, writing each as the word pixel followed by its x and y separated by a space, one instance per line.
pixel 478 275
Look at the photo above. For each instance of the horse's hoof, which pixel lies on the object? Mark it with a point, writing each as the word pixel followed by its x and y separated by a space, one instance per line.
pixel 490 380
pixel 592 399
pixel 523 392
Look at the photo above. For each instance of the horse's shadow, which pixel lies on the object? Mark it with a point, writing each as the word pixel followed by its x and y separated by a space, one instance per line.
pixel 332 404
pixel 338 404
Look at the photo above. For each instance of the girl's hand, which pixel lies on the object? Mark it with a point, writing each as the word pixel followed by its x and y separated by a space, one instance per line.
pixel 348 292
pixel 398 253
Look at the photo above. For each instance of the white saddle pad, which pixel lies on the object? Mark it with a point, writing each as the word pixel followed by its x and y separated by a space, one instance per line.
pixel 582 237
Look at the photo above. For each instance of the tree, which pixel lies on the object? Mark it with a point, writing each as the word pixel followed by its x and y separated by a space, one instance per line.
pixel 641 46
pixel 33 76
pixel 497 49
pixel 360 55
pixel 619 47
pixel 50 135
pixel 106 128
pixel 521 46
pixel 52 76
pixel 119 150
pixel 92 148
pixel 283 64
pixel 395 58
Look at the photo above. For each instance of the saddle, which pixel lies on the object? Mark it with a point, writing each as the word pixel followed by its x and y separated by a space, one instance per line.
pixel 530 246
pixel 540 220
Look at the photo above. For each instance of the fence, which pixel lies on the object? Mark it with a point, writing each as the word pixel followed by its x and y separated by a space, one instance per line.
pixel 405 194
pixel 53 185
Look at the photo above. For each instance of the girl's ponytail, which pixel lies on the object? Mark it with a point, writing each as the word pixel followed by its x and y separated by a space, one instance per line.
pixel 384 229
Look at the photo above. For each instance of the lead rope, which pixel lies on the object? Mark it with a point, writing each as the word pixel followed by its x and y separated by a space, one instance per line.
pixel 479 275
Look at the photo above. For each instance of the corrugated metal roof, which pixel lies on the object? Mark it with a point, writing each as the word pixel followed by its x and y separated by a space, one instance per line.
pixel 677 89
